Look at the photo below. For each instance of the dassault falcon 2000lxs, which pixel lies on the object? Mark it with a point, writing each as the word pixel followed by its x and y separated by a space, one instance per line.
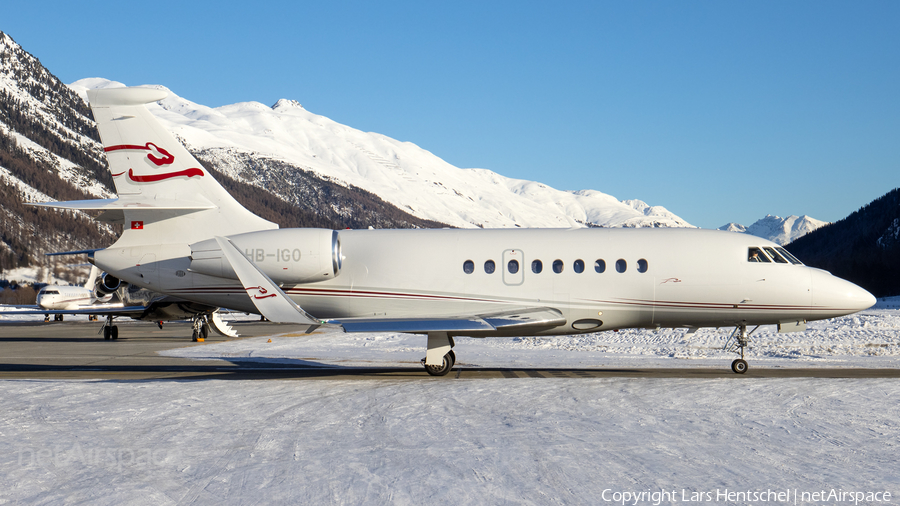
pixel 185 236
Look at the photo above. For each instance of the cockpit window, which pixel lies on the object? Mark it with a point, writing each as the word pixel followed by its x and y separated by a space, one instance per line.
pixel 756 255
pixel 787 254
pixel 51 292
pixel 775 256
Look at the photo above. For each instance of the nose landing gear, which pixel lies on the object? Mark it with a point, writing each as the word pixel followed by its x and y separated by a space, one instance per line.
pixel 737 341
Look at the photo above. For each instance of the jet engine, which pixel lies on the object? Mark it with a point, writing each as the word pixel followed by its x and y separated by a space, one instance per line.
pixel 108 284
pixel 287 256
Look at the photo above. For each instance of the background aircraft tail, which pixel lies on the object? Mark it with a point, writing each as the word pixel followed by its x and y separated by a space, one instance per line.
pixel 165 195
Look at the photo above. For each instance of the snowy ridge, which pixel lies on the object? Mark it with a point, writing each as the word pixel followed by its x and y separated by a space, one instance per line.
pixel 401 173
pixel 777 229
pixel 65 169
pixel 891 236
pixel 24 78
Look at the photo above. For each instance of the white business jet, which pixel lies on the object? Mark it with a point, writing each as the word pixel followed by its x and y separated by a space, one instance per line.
pixel 69 297
pixel 187 237
pixel 107 296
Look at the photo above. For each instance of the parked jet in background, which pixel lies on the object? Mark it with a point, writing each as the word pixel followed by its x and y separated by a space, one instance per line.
pixel 108 296
pixel 185 236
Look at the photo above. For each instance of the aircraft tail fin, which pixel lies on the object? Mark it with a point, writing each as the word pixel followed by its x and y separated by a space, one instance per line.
pixel 165 195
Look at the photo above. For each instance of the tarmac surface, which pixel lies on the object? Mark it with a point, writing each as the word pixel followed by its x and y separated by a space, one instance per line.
pixel 77 350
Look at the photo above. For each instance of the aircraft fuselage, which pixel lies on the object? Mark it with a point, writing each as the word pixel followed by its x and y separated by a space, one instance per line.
pixel 608 278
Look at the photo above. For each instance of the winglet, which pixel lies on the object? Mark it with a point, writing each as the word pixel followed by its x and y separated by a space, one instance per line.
pixel 264 293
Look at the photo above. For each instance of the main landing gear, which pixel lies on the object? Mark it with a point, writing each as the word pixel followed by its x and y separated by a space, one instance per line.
pixel 439 359
pixel 739 340
pixel 201 329
pixel 110 331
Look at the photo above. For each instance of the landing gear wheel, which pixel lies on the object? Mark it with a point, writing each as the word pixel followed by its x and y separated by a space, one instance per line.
pixel 195 336
pixel 107 334
pixel 114 332
pixel 204 331
pixel 444 368
pixel 739 366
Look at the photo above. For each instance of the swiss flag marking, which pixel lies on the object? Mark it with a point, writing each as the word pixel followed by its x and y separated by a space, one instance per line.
pixel 137 225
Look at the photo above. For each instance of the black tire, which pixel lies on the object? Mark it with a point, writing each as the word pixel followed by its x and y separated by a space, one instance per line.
pixel 739 366
pixel 195 336
pixel 444 368
pixel 106 333
pixel 114 332
pixel 204 331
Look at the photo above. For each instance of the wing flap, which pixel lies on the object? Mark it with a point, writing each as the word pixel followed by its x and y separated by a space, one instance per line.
pixel 520 320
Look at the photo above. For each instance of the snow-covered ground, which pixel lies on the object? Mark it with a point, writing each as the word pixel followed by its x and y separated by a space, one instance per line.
pixel 867 339
pixel 474 441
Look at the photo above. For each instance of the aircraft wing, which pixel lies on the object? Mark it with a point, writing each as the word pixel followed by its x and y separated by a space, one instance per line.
pixel 115 310
pixel 518 321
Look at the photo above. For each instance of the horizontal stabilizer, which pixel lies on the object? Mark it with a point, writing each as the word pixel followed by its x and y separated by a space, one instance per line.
pixel 264 293
pixel 79 252
pixel 520 320
pixel 113 210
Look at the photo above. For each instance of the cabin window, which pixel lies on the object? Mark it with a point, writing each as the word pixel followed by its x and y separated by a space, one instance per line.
pixel 642 265
pixel 513 266
pixel 775 256
pixel 537 266
pixel 578 265
pixel 600 266
pixel 490 267
pixel 756 255
pixel 621 265
pixel 787 254
pixel 468 267
pixel 557 266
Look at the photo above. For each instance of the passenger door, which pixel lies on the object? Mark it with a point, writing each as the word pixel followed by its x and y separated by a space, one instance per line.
pixel 513 267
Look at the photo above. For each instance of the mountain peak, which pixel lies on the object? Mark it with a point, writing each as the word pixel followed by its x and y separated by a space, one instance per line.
pixel 777 229
pixel 284 103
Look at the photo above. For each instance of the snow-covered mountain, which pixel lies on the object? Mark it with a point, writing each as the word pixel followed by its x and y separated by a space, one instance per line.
pixel 282 162
pixel 265 146
pixel 777 229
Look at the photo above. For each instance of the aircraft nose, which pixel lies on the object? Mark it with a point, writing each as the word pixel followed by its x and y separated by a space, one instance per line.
pixel 833 296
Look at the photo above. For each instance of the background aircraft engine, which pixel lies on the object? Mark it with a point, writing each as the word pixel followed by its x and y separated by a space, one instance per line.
pixel 290 256
pixel 108 284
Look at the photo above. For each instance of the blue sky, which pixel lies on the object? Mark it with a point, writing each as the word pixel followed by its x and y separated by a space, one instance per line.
pixel 719 111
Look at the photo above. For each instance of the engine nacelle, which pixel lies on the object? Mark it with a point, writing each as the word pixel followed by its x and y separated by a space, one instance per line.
pixel 287 256
pixel 108 284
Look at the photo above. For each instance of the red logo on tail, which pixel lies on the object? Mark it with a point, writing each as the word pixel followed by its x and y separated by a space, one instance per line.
pixel 165 157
